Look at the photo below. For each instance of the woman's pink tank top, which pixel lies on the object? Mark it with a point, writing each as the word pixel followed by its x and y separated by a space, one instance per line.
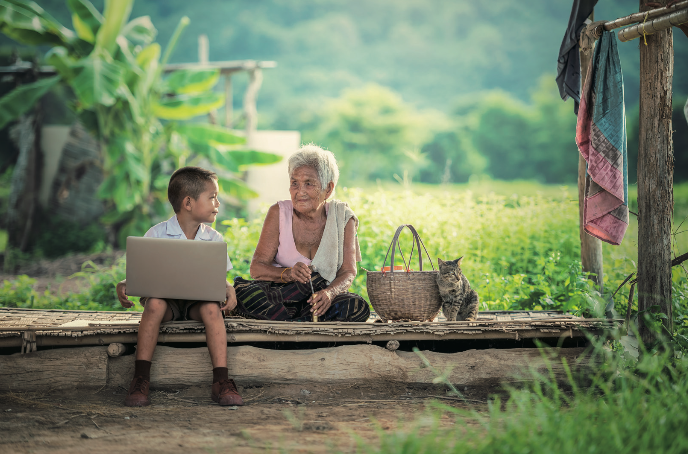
pixel 287 255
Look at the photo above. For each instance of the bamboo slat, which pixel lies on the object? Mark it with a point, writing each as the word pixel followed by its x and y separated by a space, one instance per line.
pixel 51 327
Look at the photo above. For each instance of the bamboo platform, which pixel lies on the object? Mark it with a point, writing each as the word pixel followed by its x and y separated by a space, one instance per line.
pixel 31 328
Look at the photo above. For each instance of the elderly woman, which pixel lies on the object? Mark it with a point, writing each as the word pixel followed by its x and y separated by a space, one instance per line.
pixel 306 256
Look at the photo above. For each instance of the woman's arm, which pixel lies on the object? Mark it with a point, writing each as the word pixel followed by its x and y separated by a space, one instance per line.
pixel 261 264
pixel 345 276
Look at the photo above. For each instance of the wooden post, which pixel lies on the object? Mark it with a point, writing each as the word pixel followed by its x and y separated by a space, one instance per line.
pixel 203 56
pixel 655 176
pixel 229 112
pixel 250 110
pixel 591 247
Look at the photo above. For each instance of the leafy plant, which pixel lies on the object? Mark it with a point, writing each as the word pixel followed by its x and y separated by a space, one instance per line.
pixel 620 405
pixel 115 70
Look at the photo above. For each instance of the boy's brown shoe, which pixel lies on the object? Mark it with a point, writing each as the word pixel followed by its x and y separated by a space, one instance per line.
pixel 224 392
pixel 138 393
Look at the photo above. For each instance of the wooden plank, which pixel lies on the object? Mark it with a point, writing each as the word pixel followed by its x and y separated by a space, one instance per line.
pixel 349 363
pixel 56 369
pixel 105 339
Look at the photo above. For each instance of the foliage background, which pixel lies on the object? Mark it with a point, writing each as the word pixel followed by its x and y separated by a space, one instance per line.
pixel 441 90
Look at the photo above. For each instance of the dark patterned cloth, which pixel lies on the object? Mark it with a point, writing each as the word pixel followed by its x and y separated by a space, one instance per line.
pixel 266 300
pixel 601 139
pixel 568 62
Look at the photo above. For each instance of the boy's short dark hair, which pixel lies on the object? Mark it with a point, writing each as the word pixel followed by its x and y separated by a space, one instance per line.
pixel 188 181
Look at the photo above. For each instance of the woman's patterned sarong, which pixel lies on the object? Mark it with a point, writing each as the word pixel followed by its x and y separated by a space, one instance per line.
pixel 267 300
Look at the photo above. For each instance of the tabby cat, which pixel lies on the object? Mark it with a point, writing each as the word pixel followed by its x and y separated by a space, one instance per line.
pixel 459 301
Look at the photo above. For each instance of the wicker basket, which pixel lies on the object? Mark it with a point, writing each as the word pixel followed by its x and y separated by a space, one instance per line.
pixel 405 295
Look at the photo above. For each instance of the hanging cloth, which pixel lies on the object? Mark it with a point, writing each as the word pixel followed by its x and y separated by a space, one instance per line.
pixel 601 139
pixel 568 62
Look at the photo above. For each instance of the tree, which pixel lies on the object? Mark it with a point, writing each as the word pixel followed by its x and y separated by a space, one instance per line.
pixel 374 133
pixel 115 70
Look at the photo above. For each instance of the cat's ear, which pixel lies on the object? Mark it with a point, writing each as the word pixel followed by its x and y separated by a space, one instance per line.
pixel 459 260
pixel 439 261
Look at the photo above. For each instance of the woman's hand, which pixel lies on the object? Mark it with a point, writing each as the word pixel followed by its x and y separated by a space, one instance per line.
pixel 231 301
pixel 122 295
pixel 320 302
pixel 300 273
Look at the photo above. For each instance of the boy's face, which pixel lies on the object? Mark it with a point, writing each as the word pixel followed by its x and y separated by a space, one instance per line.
pixel 205 208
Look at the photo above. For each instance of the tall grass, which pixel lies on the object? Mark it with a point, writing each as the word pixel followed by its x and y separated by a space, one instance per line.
pixel 519 241
pixel 627 408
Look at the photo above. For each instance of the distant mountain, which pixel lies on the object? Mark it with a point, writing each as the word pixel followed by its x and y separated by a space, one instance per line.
pixel 429 51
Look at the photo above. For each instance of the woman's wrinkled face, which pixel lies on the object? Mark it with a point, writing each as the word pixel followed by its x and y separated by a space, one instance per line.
pixel 305 189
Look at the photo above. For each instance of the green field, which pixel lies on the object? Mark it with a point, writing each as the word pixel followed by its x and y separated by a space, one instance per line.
pixel 519 241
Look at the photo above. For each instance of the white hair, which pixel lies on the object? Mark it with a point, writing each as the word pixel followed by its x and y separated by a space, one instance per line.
pixel 323 161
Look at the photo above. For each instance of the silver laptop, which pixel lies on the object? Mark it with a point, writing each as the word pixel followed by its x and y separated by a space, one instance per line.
pixel 179 269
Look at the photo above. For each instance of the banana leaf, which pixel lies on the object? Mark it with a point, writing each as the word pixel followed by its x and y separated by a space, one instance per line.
pixel 96 80
pixel 205 132
pixel 191 80
pixel 148 60
pixel 28 23
pixel 116 16
pixel 185 107
pixel 22 98
pixel 85 18
pixel 140 31
pixel 236 188
pixel 242 159
pixel 63 63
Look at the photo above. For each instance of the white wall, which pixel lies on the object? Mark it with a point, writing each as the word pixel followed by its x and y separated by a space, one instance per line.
pixel 53 139
pixel 271 181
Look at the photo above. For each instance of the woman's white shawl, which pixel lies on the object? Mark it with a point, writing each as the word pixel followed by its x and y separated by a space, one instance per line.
pixel 330 255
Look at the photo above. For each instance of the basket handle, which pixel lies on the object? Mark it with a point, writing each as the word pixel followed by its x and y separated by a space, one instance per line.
pixel 418 242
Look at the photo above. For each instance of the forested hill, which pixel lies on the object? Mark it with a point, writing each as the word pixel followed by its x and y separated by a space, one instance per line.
pixel 435 90
pixel 429 51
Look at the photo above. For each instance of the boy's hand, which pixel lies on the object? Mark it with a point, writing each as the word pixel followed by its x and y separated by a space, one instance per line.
pixel 122 295
pixel 231 301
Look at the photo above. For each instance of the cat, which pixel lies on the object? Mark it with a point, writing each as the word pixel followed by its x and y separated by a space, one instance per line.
pixel 459 301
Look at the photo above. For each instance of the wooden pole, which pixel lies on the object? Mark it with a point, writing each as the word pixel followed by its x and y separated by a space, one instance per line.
pixel 250 110
pixel 655 176
pixel 203 56
pixel 229 112
pixel 591 247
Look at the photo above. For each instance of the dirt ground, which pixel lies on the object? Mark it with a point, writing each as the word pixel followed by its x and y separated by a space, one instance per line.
pixel 307 418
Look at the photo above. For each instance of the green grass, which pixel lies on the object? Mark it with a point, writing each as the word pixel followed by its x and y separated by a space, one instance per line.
pixel 519 239
pixel 623 407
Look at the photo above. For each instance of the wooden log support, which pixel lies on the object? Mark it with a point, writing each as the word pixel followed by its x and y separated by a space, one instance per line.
pixel 116 349
pixel 655 176
pixel 350 363
pixel 65 368
pixel 175 367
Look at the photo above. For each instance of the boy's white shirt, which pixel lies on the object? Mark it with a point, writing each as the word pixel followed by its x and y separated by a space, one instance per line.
pixel 171 229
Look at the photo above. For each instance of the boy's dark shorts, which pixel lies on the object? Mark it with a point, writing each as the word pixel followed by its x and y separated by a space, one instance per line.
pixel 180 308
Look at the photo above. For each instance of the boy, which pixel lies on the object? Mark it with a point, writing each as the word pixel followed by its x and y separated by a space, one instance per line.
pixel 193 192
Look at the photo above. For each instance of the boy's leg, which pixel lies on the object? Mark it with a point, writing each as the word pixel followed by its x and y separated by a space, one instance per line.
pixel 215 332
pixel 155 312
pixel 223 390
